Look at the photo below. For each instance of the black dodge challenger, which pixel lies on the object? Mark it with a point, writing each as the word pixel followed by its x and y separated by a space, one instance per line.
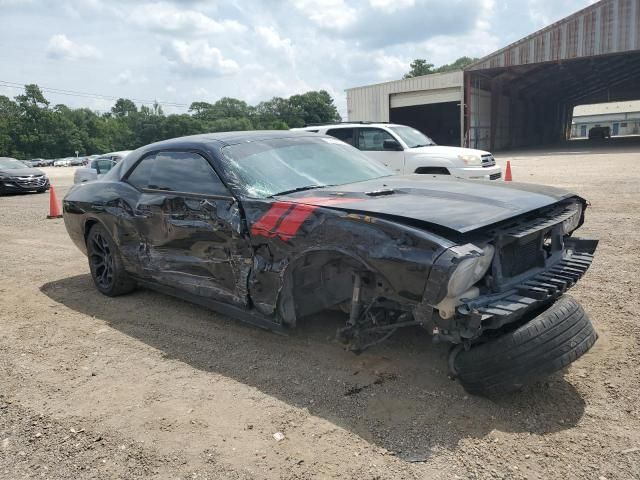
pixel 270 227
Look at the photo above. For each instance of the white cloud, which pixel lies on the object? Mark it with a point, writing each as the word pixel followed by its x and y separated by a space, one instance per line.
pixel 272 39
pixel 267 84
pixel 330 14
pixel 61 47
pixel 390 67
pixel 199 57
pixel 168 18
pixel 390 6
pixel 545 12
pixel 127 78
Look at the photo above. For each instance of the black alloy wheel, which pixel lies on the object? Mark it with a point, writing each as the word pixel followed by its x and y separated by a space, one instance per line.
pixel 107 270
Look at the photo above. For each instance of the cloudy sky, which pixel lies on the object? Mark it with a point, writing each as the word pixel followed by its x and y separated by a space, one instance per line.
pixel 179 51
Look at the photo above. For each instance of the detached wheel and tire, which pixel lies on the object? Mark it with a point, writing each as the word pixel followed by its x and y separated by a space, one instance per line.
pixel 549 342
pixel 107 269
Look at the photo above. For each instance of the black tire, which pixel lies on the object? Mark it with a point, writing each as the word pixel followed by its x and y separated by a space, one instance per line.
pixel 105 263
pixel 549 342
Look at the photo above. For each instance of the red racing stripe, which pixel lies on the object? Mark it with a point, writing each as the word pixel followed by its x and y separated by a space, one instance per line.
pixel 292 222
pixel 267 223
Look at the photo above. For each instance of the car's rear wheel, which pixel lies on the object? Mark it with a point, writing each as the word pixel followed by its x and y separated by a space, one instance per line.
pixel 547 343
pixel 107 269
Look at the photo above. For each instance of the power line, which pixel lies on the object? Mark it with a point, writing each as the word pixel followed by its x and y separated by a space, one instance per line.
pixel 75 93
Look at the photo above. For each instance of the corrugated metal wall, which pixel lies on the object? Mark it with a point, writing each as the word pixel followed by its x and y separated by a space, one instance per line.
pixel 606 27
pixel 371 103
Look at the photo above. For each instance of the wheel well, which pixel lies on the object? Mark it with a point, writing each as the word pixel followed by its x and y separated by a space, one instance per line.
pixel 318 281
pixel 433 170
pixel 87 227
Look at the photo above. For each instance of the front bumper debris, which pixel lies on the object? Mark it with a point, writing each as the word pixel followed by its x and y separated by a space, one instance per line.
pixel 493 311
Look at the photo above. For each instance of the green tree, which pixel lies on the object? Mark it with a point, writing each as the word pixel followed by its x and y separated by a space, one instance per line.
pixel 30 127
pixel 419 67
pixel 315 107
pixel 124 108
pixel 460 64
pixel 9 122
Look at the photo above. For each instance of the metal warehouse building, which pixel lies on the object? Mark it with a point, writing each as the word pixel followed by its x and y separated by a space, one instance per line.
pixel 525 93
pixel 622 118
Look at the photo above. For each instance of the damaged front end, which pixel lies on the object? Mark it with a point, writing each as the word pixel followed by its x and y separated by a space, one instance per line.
pixel 498 279
pixel 505 274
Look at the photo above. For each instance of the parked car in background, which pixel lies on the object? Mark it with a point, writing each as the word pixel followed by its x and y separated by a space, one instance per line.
pixel 77 161
pixel 96 169
pixel 406 150
pixel 599 132
pixel 16 176
pixel 29 163
pixel 116 156
pixel 62 162
pixel 272 227
pixel 47 162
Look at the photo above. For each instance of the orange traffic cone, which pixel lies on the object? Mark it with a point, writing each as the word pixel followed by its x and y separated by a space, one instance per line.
pixel 54 210
pixel 507 173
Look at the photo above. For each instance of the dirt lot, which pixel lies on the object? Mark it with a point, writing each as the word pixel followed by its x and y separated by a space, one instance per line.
pixel 146 386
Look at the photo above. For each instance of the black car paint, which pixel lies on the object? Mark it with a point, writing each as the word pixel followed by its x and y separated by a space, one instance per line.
pixel 214 246
pixel 9 180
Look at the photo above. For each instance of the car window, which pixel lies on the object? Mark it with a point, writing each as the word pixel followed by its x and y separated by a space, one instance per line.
pixel 177 172
pixel 103 166
pixel 344 134
pixel 139 178
pixel 372 139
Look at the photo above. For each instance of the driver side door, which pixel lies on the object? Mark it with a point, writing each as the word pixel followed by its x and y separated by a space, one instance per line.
pixel 371 140
pixel 190 229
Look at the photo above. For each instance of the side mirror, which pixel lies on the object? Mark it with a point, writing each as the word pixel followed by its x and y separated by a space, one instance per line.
pixel 390 144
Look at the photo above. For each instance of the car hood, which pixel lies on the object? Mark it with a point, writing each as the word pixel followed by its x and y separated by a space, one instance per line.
pixel 456 205
pixel 20 172
pixel 444 151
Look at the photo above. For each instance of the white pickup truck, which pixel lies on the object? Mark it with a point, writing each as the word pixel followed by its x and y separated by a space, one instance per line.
pixel 98 167
pixel 406 150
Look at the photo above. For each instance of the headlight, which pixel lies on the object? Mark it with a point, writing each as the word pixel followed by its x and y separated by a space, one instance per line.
pixel 469 272
pixel 571 223
pixel 471 160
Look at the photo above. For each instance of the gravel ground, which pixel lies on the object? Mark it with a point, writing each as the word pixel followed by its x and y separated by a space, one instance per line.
pixel 147 386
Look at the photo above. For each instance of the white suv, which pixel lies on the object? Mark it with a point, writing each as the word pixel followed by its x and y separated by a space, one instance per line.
pixel 406 150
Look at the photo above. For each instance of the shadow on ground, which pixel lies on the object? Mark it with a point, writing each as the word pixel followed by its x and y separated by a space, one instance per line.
pixel 397 395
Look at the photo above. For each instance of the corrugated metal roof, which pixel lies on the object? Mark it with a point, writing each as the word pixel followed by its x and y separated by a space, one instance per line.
pixel 608 26
pixel 606 108
pixel 424 82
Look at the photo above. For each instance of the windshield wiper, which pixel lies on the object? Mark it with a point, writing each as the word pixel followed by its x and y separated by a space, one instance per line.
pixel 299 189
pixel 425 145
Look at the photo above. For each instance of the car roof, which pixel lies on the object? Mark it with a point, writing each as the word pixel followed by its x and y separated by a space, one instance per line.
pixel 122 152
pixel 348 125
pixel 227 138
pixel 213 141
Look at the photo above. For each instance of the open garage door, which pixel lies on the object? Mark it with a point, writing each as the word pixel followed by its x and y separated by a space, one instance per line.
pixel 440 121
pixel 425 97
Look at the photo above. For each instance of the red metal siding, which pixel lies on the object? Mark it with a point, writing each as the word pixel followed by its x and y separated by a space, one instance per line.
pixel 609 26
